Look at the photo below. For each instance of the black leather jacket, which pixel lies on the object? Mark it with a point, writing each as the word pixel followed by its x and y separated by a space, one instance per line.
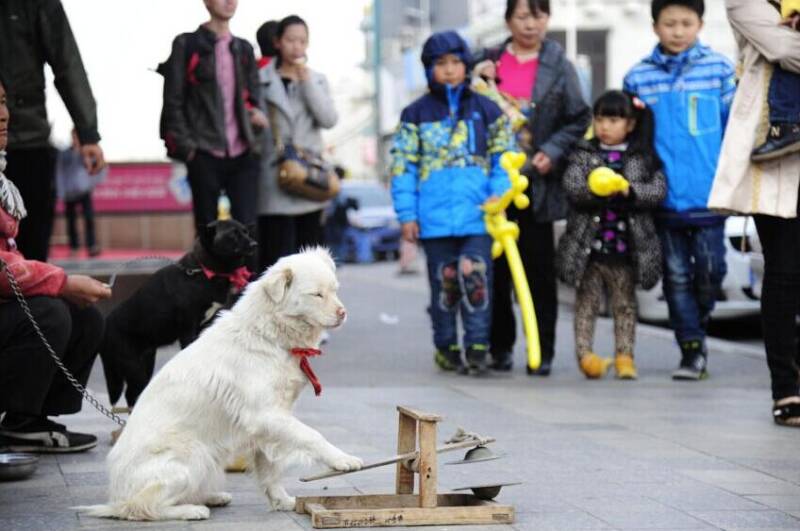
pixel 32 33
pixel 192 117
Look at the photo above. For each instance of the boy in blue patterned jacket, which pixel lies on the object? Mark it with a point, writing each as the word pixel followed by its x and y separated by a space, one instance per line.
pixel 690 89
pixel 445 166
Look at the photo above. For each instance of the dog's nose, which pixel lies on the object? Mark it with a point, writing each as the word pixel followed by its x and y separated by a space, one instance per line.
pixel 341 313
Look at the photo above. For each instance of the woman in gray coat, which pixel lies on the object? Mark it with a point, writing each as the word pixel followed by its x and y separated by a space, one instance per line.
pixel 300 106
pixel 536 72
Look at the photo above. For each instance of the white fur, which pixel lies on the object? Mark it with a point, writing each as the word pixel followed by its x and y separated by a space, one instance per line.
pixel 231 392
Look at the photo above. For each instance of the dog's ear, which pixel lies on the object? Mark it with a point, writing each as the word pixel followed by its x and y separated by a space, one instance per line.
pixel 277 283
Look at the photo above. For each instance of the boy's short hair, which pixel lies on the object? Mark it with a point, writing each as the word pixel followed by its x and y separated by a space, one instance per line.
pixel 698 6
pixel 536 6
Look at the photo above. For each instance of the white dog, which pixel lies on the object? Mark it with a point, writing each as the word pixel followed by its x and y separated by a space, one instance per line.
pixel 230 393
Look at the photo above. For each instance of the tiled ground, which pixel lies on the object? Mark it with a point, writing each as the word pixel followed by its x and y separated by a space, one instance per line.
pixel 650 454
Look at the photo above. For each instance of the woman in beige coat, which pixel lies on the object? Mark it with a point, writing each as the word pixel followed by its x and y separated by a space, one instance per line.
pixel 768 191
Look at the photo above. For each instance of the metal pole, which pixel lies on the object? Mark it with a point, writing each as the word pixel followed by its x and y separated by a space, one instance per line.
pixel 377 60
pixel 572 30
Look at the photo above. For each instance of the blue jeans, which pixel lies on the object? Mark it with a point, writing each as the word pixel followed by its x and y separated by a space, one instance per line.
pixel 460 276
pixel 784 96
pixel 694 266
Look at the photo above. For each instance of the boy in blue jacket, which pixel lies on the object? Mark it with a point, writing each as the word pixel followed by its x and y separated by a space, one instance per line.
pixel 445 166
pixel 690 89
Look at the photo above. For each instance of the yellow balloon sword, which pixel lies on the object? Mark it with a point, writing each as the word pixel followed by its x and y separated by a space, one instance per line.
pixel 505 234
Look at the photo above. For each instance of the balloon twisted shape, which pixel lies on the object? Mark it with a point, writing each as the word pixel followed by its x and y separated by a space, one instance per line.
pixel 505 234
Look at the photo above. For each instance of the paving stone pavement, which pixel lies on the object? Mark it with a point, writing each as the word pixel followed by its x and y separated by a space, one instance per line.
pixel 649 454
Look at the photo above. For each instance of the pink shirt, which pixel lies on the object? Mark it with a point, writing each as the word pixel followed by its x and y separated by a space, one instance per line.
pixel 226 80
pixel 517 79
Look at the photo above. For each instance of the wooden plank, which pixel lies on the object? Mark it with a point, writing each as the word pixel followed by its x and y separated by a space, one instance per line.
pixel 368 501
pixel 322 518
pixel 385 501
pixel 406 442
pixel 428 468
pixel 419 415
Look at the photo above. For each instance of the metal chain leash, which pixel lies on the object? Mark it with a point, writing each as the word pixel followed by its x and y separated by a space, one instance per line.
pixel 123 265
pixel 12 281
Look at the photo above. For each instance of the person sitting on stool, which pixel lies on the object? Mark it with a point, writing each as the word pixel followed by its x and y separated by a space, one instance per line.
pixel 32 388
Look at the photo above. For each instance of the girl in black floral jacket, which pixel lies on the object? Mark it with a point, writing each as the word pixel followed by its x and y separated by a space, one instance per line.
pixel 613 183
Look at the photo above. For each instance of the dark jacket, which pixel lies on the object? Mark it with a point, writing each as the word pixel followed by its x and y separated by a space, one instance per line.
pixel 559 117
pixel 648 187
pixel 193 117
pixel 32 33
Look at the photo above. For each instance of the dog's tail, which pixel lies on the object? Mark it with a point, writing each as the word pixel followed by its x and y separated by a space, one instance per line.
pixel 101 511
pixel 144 505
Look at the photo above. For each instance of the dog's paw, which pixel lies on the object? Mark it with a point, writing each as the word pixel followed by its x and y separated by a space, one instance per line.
pixel 283 503
pixel 218 499
pixel 189 512
pixel 346 463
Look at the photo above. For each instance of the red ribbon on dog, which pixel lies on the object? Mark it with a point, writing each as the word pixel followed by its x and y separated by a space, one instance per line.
pixel 305 366
pixel 238 277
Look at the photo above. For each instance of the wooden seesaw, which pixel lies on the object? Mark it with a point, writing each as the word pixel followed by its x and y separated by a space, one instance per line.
pixel 404 508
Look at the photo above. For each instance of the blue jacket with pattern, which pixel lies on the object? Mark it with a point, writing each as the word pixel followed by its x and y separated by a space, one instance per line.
pixel 690 94
pixel 445 161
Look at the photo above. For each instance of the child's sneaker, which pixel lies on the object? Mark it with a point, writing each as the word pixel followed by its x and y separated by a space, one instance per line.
pixel 782 140
pixel 593 366
pixel 693 362
pixel 450 359
pixel 476 360
pixel 625 367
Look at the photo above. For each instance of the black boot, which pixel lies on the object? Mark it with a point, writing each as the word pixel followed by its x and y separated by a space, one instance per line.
pixel 544 369
pixel 502 361
pixel 783 139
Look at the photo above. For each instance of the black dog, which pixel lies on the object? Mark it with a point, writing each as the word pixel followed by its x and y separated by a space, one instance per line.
pixel 172 305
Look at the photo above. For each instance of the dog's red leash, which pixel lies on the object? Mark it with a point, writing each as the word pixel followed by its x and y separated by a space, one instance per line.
pixel 305 366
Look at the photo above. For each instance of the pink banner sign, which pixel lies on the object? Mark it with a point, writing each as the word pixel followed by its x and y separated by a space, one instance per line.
pixel 142 187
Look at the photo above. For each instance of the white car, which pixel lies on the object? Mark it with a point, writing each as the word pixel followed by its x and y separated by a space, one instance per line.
pixel 741 287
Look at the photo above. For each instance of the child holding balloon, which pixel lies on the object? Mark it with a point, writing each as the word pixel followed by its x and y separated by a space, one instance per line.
pixel 445 166
pixel 614 182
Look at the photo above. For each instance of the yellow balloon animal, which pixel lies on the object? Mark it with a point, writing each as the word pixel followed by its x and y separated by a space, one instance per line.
pixel 604 182
pixel 505 234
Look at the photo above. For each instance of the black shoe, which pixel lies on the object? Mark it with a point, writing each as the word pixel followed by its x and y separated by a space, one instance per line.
pixel 476 361
pixel 694 362
pixel 783 139
pixel 502 362
pixel 44 436
pixel 544 369
pixel 449 359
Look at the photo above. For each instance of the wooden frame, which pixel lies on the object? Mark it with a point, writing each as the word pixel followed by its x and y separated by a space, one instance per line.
pixel 416 431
